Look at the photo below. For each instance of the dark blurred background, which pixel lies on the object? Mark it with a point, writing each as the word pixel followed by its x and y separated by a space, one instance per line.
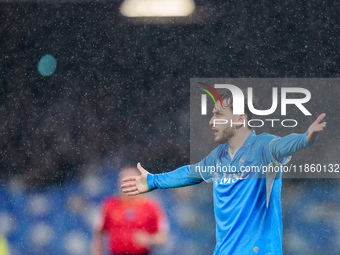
pixel 120 95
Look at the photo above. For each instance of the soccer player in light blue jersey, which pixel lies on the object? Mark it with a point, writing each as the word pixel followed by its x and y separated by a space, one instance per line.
pixel 247 205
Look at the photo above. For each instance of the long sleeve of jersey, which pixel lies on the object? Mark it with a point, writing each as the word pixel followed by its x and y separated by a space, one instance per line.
pixel 285 146
pixel 177 178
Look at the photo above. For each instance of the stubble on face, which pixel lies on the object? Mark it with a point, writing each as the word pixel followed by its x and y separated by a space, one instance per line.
pixel 224 134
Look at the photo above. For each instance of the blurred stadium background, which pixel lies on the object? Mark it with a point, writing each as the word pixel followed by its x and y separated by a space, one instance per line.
pixel 118 93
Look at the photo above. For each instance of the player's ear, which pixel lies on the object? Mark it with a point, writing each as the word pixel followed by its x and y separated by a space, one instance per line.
pixel 241 120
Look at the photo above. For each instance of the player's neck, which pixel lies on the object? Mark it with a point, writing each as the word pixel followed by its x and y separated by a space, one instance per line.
pixel 238 139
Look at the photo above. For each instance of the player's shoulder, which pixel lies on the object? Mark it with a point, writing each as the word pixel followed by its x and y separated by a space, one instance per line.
pixel 264 138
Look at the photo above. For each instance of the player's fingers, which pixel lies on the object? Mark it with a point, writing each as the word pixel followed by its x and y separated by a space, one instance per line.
pixel 131 178
pixel 128 190
pixel 320 118
pixel 133 193
pixel 128 184
pixel 322 126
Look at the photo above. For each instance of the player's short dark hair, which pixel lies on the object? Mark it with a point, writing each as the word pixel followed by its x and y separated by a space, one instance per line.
pixel 227 95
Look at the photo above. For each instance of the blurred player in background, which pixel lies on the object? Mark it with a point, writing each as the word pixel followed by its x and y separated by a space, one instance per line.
pixel 134 224
pixel 247 206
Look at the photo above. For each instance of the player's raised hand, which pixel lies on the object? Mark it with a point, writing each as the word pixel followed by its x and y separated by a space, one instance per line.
pixel 316 127
pixel 135 185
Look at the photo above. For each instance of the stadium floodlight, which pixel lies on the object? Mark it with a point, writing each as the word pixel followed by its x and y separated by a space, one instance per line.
pixel 157 8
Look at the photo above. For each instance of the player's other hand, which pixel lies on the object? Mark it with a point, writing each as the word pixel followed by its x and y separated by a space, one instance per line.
pixel 316 127
pixel 135 185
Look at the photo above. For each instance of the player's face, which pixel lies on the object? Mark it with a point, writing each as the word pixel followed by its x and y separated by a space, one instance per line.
pixel 222 132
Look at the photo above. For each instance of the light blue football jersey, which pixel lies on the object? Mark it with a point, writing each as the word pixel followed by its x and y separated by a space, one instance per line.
pixel 247 203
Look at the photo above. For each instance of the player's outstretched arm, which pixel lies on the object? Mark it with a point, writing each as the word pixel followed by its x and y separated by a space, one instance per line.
pixel 290 144
pixel 145 182
pixel 135 185
pixel 316 127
